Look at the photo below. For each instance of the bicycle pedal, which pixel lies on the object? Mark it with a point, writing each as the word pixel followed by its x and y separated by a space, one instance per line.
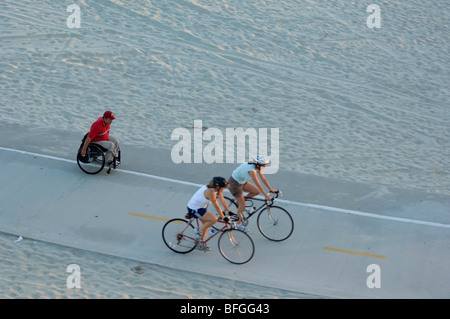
pixel 203 248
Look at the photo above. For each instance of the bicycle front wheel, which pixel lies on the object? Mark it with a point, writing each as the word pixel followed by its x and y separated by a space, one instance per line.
pixel 236 246
pixel 275 223
pixel 178 234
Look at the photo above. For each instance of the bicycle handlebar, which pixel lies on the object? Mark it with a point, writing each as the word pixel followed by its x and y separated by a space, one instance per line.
pixel 277 193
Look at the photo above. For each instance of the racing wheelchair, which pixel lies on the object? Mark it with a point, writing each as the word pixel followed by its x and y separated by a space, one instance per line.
pixel 95 159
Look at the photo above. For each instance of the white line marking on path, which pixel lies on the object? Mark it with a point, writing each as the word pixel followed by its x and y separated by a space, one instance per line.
pixel 315 206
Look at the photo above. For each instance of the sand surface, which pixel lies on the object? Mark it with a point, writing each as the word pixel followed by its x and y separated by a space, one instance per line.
pixel 35 269
pixel 351 102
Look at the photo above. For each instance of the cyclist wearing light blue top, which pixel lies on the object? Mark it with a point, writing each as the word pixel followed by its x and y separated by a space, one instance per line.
pixel 239 182
pixel 241 174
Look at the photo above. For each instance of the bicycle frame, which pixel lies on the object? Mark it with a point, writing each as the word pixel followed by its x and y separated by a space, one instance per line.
pixel 195 222
pixel 264 205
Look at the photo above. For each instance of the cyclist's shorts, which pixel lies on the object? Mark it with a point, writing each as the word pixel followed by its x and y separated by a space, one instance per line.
pixel 196 213
pixel 236 189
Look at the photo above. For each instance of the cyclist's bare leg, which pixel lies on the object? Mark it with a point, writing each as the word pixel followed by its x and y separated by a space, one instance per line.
pixel 241 205
pixel 251 189
pixel 207 220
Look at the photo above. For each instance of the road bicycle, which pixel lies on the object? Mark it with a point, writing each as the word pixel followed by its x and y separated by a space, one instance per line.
pixel 274 222
pixel 95 159
pixel 234 245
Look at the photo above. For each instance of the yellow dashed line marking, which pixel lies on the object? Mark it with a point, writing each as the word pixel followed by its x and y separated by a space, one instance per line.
pixel 354 252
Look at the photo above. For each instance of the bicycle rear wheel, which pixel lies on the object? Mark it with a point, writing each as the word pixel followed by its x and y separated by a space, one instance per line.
pixel 93 162
pixel 231 202
pixel 275 223
pixel 178 234
pixel 236 246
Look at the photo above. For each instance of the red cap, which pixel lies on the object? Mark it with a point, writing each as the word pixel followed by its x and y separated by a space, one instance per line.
pixel 109 115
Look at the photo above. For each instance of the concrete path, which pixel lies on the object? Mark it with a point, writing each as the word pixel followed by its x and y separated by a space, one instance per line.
pixel 347 236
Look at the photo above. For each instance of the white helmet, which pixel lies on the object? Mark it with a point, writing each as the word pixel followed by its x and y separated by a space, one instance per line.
pixel 260 160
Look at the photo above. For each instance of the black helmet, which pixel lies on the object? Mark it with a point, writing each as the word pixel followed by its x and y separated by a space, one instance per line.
pixel 219 181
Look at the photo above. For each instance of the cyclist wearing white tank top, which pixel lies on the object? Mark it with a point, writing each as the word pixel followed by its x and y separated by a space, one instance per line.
pixel 198 204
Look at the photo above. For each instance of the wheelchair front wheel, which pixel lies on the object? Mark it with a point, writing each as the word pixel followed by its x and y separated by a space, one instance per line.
pixel 93 162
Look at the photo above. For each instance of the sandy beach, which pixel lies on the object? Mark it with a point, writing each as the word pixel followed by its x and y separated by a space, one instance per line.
pixel 362 115
pixel 38 270
pixel 352 103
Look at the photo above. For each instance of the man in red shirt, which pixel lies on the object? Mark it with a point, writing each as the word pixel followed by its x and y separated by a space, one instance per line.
pixel 99 134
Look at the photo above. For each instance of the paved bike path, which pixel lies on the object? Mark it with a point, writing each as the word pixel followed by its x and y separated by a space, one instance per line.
pixel 329 253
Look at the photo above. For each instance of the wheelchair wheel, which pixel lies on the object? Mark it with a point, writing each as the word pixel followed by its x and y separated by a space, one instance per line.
pixel 93 162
